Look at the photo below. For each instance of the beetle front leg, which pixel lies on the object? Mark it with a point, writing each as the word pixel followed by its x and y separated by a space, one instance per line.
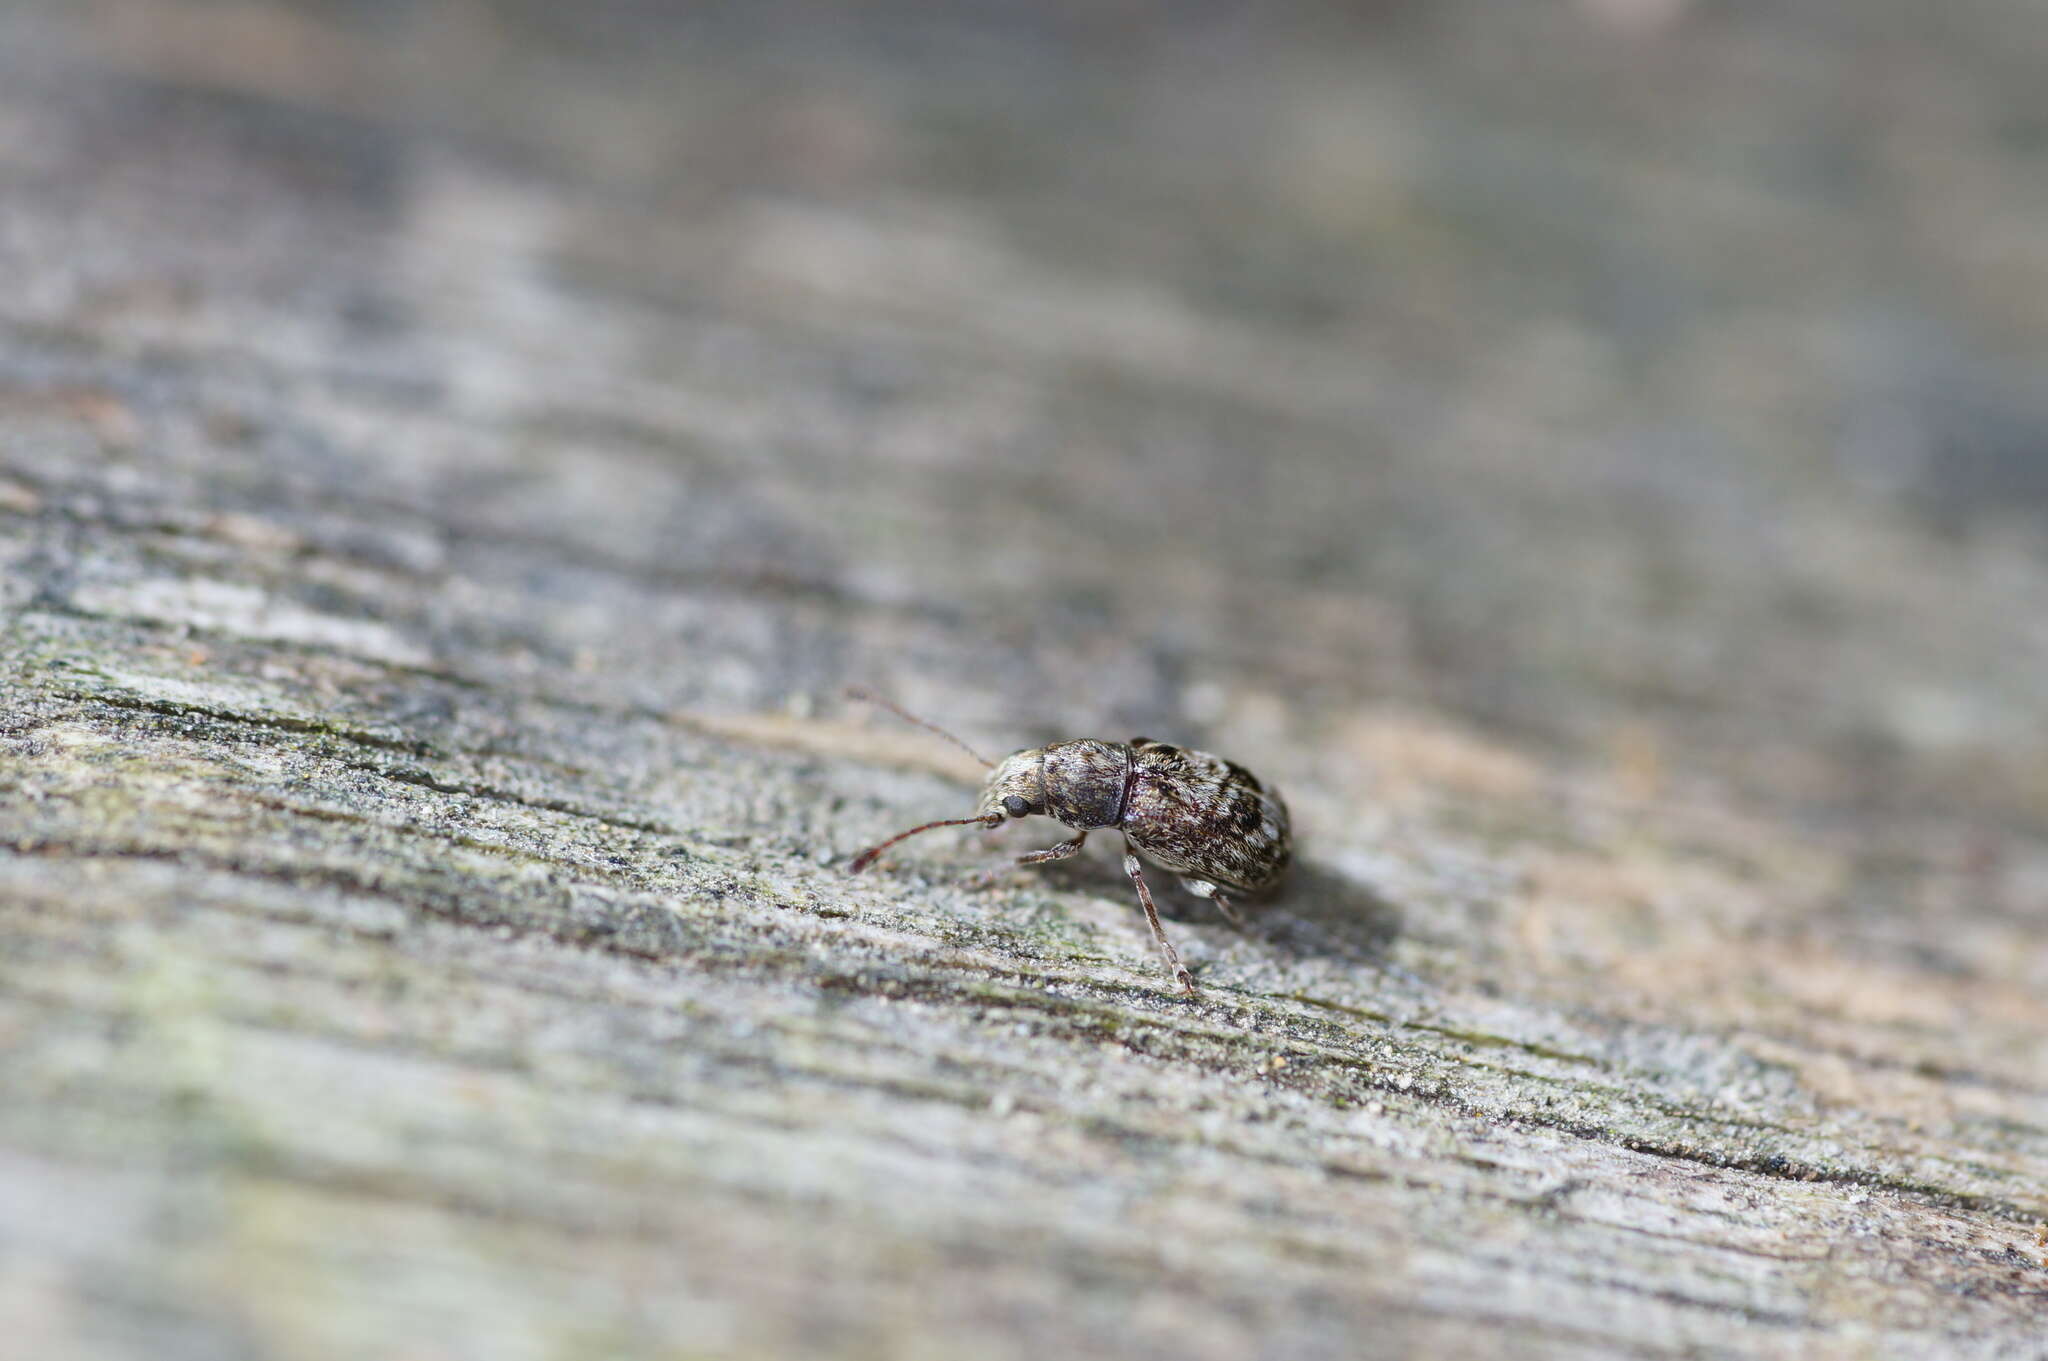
pixel 987 878
pixel 1173 964
pixel 1072 846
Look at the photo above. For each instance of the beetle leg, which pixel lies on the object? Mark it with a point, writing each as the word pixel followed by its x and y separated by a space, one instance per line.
pixel 1202 888
pixel 987 878
pixel 1059 852
pixel 1173 964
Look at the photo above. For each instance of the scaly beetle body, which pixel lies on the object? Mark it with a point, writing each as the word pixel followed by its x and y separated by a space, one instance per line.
pixel 1206 819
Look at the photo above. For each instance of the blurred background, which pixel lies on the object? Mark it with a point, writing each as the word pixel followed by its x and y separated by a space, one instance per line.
pixel 1603 372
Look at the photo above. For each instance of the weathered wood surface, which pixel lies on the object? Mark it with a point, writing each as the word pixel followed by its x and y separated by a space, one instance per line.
pixel 452 457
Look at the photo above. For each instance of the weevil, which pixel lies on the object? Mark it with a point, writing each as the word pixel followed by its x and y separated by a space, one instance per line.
pixel 1205 819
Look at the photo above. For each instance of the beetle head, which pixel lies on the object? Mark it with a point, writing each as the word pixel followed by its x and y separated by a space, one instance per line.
pixel 1016 787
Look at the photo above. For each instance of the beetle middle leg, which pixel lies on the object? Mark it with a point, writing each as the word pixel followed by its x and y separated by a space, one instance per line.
pixel 1173 964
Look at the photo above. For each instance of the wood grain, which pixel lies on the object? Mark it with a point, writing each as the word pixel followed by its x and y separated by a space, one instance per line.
pixel 453 458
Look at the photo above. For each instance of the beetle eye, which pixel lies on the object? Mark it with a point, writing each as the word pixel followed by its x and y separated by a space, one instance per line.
pixel 1016 805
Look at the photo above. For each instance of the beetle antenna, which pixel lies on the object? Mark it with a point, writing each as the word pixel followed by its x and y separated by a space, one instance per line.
pixel 856 692
pixel 867 857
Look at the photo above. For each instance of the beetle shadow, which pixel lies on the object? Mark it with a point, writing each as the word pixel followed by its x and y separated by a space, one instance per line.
pixel 1318 914
pixel 1314 914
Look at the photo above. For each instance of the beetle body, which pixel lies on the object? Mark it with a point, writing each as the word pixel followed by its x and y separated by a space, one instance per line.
pixel 1198 815
pixel 1208 820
